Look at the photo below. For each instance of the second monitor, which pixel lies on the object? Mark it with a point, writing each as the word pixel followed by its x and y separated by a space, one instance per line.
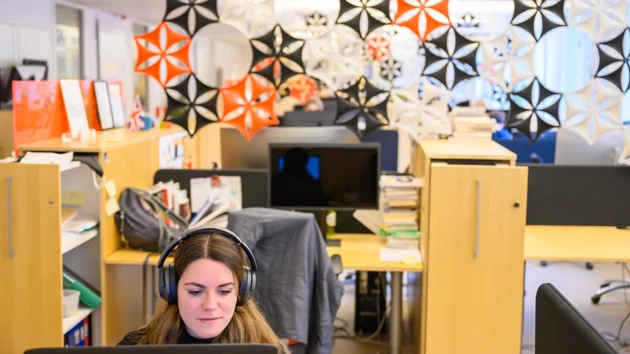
pixel 335 176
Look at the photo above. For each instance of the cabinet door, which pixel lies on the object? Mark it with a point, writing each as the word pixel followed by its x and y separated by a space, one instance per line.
pixel 475 259
pixel 30 257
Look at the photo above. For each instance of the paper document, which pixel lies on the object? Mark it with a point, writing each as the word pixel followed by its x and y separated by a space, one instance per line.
pixel 399 255
pixel 216 190
pixel 80 223
pixel 371 219
pixel 48 158
pixel 9 159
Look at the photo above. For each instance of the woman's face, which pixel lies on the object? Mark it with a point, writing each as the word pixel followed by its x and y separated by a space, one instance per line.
pixel 206 296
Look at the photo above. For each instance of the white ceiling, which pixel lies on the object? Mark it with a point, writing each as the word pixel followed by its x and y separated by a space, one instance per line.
pixel 153 10
pixel 144 10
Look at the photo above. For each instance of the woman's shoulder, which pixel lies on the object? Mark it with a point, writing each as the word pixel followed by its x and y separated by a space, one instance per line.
pixel 133 337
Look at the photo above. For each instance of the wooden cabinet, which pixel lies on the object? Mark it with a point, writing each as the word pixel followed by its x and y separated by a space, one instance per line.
pixel 34 250
pixel 30 264
pixel 473 229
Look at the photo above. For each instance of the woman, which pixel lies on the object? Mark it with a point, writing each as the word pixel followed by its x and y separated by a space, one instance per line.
pixel 314 104
pixel 208 269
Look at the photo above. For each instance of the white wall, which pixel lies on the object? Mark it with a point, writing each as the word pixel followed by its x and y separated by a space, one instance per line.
pixel 115 53
pixel 26 31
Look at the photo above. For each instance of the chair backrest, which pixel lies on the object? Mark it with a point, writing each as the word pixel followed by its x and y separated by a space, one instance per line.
pixel 561 329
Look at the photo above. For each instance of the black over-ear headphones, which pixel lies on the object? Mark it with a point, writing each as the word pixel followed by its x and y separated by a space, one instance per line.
pixel 168 277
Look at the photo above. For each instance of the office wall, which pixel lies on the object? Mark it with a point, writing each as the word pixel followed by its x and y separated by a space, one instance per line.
pixel 26 30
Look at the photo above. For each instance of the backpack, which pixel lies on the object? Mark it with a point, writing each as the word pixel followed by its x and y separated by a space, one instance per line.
pixel 141 224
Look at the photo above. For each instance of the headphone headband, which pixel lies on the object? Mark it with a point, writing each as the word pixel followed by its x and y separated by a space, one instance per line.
pixel 209 231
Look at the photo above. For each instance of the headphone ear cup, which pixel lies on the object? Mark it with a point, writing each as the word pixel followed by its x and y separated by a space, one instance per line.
pixel 162 284
pixel 171 285
pixel 244 291
pixel 252 287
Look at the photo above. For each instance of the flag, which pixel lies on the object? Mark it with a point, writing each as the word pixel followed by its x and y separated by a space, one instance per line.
pixel 136 123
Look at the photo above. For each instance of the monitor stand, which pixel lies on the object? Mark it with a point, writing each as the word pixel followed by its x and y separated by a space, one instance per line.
pixel 320 217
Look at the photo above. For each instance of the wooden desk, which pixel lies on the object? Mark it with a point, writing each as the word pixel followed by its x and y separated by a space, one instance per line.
pixel 359 252
pixel 577 243
pixel 103 141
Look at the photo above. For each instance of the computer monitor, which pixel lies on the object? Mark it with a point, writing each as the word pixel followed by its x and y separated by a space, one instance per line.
pixel 561 329
pixel 163 349
pixel 324 176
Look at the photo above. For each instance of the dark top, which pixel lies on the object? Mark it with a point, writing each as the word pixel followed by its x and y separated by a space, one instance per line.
pixel 133 337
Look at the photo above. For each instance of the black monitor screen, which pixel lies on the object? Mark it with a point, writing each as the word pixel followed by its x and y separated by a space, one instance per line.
pixel 324 176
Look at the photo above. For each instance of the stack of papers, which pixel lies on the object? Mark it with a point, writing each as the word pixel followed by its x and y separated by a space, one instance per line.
pixel 400 255
pixel 80 223
pixel 76 229
pixel 48 157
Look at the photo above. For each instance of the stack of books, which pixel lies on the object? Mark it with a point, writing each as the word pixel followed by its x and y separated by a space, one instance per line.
pixel 399 205
pixel 471 123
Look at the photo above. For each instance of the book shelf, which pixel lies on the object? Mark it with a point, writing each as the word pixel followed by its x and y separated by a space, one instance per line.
pixel 35 252
pixel 34 249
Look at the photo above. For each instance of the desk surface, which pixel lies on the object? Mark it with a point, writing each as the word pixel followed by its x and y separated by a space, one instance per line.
pixel 103 141
pixel 358 252
pixel 549 243
pixel 466 149
pixel 577 243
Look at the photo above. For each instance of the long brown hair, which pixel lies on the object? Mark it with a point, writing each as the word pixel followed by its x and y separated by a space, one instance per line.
pixel 248 325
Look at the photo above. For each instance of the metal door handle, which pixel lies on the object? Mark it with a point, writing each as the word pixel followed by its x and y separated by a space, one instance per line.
pixel 9 217
pixel 478 229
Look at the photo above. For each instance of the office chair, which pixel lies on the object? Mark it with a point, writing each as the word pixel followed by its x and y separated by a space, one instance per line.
pixel 609 286
pixel 588 265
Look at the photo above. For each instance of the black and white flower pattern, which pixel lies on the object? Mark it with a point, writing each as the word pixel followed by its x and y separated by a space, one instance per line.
pixel 508 59
pixel 534 110
pixel 450 58
pixel 362 107
pixel 336 58
pixel 594 110
pixel 364 16
pixel 277 50
pixel 614 61
pixel 316 19
pixel 252 17
pixel 391 69
pixel 602 19
pixel 538 16
pixel 421 110
pixel 191 15
pixel 192 104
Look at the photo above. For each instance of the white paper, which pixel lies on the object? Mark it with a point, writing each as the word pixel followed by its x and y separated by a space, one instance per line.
pixel 80 224
pixel 370 218
pixel 199 193
pixel 47 158
pixel 75 109
pixel 397 255
pixel 172 151
pixel 104 106
pixel 118 110
pixel 227 189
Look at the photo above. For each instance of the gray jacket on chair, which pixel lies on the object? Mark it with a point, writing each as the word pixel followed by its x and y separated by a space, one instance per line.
pixel 296 288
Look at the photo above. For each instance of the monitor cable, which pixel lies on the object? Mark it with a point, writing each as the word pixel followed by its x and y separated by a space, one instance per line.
pixel 616 339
